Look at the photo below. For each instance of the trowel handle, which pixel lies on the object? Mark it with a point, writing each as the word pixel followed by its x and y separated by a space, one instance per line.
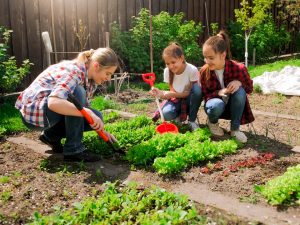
pixel 159 109
pixel 87 116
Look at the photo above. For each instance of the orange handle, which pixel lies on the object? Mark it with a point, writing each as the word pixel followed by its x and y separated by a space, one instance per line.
pixel 91 121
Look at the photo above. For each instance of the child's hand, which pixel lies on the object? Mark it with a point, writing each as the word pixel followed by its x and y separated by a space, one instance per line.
pixel 223 92
pixel 233 86
pixel 155 92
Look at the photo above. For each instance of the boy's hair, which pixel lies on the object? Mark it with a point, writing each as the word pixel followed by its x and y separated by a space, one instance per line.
pixel 106 57
pixel 173 50
pixel 219 43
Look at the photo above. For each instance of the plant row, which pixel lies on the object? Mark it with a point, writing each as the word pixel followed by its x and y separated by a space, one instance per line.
pixel 282 189
pixel 144 153
pixel 191 154
pixel 127 206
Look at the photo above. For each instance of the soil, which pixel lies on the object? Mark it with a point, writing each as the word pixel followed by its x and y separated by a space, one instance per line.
pixel 38 182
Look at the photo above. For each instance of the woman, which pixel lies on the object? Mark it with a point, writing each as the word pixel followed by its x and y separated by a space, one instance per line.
pixel 44 104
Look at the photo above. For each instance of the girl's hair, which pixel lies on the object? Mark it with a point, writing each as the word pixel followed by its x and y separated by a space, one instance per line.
pixel 173 50
pixel 106 57
pixel 219 43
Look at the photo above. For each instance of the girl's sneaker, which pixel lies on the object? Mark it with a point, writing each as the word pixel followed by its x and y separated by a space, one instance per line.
pixel 239 135
pixel 193 125
pixel 215 129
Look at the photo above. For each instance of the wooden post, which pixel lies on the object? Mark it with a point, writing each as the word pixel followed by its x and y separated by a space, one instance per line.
pixel 48 46
pixel 106 39
pixel 150 31
pixel 116 84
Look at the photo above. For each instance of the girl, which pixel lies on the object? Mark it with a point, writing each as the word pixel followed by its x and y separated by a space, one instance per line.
pixel 225 85
pixel 44 103
pixel 182 79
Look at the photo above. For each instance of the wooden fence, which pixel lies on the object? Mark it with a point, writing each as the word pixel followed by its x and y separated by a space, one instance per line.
pixel 29 18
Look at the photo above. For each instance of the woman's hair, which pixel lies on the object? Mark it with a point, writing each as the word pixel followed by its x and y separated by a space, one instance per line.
pixel 219 43
pixel 106 57
pixel 173 50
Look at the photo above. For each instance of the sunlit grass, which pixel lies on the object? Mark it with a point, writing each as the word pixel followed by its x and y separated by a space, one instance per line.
pixel 255 71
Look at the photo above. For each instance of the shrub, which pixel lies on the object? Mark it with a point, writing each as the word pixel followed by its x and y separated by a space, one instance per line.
pixel 133 45
pixel 10 74
pixel 266 38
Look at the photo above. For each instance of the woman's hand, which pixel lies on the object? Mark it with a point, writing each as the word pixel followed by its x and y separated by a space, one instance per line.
pixel 233 86
pixel 111 137
pixel 98 123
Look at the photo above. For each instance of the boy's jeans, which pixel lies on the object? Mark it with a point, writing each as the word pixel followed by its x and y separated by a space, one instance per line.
pixel 215 107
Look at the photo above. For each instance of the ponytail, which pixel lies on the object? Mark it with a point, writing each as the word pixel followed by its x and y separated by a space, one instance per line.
pixel 106 57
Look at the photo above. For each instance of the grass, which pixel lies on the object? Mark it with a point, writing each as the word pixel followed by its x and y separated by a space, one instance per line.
pixel 10 118
pixel 275 66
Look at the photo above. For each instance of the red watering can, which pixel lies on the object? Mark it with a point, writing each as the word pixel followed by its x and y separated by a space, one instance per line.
pixel 165 126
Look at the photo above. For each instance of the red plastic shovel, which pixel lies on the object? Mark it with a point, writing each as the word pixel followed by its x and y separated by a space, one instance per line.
pixel 165 126
pixel 89 119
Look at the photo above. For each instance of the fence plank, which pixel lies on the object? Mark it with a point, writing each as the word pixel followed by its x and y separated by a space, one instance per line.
pixel 171 7
pixel 103 20
pixel 4 16
pixel 130 11
pixel 71 22
pixel 93 26
pixel 18 25
pixel 163 6
pixel 112 11
pixel 178 6
pixel 122 14
pixel 82 12
pixel 45 25
pixel 59 42
pixel 33 34
pixel 190 9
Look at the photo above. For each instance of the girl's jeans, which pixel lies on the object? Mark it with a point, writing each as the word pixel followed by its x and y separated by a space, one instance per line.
pixel 171 110
pixel 215 107
pixel 70 127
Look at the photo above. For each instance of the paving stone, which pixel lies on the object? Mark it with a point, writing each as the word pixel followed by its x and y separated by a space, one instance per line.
pixel 296 149
pixel 36 146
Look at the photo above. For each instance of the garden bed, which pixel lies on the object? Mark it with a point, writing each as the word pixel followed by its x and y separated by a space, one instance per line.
pixel 38 182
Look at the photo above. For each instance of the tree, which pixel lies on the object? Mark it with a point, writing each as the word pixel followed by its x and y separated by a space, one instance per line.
pixel 250 16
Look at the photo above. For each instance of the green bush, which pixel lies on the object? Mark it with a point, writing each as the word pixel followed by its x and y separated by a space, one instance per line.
pixel 10 74
pixel 133 45
pixel 266 39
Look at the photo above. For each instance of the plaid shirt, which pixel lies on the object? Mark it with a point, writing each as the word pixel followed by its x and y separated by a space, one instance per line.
pixel 57 80
pixel 232 71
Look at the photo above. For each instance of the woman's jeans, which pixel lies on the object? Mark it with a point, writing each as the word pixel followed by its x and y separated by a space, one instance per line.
pixel 215 107
pixel 70 127
pixel 172 110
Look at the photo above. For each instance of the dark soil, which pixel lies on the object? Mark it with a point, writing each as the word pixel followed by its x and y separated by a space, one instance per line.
pixel 38 182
